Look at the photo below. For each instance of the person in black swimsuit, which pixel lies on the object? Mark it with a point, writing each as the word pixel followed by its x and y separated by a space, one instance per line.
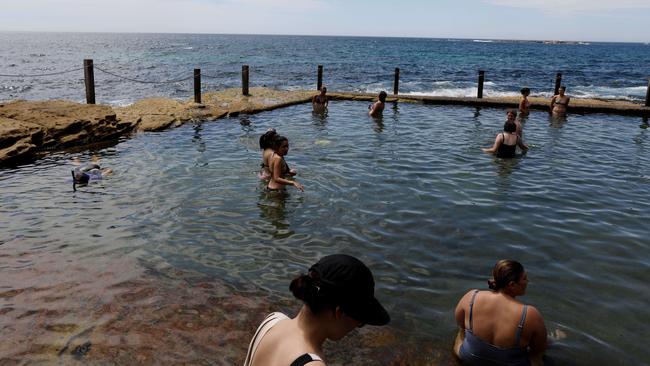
pixel 338 296
pixel 506 142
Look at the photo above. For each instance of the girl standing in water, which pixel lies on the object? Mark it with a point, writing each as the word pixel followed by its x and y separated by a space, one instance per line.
pixel 279 168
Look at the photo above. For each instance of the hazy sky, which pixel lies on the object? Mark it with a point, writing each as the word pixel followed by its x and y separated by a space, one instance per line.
pixel 582 20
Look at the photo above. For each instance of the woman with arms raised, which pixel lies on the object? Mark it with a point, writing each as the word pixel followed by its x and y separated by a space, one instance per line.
pixel 496 329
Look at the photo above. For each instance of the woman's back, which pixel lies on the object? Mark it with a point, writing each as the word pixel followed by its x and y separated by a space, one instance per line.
pixel 495 320
pixel 282 345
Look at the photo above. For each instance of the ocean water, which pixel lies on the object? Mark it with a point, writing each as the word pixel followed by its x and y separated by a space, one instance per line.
pixel 179 254
pixel 441 67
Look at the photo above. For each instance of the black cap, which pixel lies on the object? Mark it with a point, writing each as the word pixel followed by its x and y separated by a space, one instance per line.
pixel 349 281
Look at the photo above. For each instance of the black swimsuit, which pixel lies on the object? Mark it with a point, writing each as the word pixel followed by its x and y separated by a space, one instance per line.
pixel 507 151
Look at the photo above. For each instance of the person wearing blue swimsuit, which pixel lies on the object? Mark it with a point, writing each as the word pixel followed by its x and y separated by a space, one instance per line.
pixel 495 329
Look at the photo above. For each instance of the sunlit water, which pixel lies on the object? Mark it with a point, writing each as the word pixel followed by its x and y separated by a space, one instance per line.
pixel 411 194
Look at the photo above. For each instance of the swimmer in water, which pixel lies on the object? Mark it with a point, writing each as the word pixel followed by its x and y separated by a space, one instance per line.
pixel 320 102
pixel 376 109
pixel 506 142
pixel 266 145
pixel 560 102
pixel 85 173
pixel 279 168
pixel 524 104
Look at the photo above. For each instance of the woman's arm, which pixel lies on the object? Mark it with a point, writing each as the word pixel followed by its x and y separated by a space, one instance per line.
pixel 276 168
pixel 372 110
pixel 538 340
pixel 520 143
pixel 552 103
pixel 495 147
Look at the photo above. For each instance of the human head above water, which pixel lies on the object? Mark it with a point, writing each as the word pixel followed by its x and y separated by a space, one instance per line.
pixel 505 272
pixel 343 281
pixel 525 91
pixel 382 96
pixel 277 142
pixel 266 140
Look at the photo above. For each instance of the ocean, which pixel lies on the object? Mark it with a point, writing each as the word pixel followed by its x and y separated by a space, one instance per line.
pixel 438 67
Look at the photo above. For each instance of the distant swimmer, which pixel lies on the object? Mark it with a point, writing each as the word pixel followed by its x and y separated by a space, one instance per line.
pixel 376 109
pixel 505 144
pixel 524 104
pixel 560 102
pixel 320 101
pixel 279 168
pixel 266 145
pixel 85 173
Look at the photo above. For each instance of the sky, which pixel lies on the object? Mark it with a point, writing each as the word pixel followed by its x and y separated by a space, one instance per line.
pixel 566 20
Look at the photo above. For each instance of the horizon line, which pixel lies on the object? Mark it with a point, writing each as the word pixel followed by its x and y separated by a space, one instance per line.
pixel 560 41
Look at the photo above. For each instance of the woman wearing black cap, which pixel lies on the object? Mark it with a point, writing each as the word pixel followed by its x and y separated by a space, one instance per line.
pixel 338 296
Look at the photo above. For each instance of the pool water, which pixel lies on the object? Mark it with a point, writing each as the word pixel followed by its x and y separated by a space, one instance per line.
pixel 411 194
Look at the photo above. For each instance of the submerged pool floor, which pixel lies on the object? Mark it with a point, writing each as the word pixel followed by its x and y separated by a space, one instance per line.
pixel 411 194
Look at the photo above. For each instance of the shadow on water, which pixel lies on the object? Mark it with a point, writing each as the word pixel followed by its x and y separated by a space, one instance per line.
pixel 477 114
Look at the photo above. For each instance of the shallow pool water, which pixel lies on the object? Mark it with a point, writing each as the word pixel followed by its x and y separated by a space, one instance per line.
pixel 411 194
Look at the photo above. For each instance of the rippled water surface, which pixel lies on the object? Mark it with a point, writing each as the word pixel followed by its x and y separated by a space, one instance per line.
pixel 411 194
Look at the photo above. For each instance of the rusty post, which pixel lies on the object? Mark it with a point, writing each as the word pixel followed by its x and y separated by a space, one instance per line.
pixel 244 80
pixel 319 82
pixel 558 82
pixel 197 85
pixel 396 82
pixel 481 79
pixel 89 79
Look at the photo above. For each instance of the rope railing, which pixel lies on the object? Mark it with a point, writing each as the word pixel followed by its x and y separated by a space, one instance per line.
pixel 90 82
pixel 142 81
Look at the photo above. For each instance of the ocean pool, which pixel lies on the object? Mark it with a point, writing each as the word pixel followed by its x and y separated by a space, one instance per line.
pixel 411 194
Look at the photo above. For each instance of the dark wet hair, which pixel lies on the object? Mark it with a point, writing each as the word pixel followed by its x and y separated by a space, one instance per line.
pixel 525 91
pixel 504 271
pixel 277 141
pixel 382 96
pixel 563 87
pixel 509 126
pixel 266 140
pixel 308 288
pixel 323 88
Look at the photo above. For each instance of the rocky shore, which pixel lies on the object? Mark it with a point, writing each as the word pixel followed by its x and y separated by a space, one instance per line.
pixel 29 129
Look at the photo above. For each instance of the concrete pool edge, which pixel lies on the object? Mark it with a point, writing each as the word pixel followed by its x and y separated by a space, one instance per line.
pixel 30 129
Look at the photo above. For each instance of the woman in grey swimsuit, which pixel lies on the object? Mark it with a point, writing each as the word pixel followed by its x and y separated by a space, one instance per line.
pixel 560 102
pixel 337 295
pixel 494 327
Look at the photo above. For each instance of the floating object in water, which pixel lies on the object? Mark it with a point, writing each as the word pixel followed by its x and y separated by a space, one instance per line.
pixel 322 142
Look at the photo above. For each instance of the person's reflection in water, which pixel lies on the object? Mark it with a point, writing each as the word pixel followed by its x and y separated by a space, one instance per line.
pixel 477 114
pixel 505 167
pixel 273 209
pixel 556 121
pixel 197 138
